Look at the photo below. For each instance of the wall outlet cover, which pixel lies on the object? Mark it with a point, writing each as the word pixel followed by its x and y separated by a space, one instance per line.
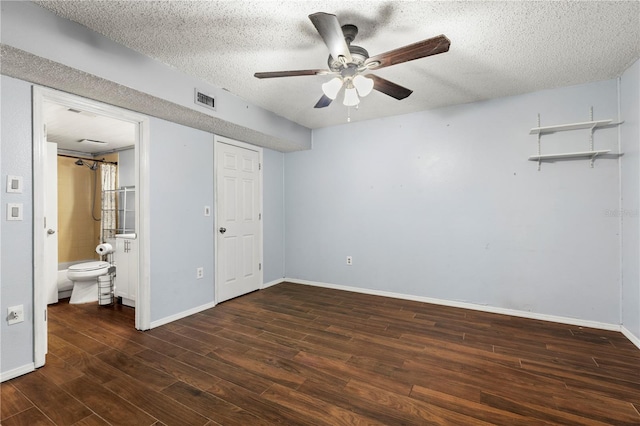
pixel 15 314
pixel 199 273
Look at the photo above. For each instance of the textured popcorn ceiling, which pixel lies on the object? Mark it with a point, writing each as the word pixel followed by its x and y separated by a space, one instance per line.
pixel 497 48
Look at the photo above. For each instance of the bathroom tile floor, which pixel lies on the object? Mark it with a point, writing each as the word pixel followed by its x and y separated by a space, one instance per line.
pixel 294 354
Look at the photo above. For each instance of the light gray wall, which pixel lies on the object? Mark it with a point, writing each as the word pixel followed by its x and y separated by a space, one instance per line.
pixel 181 237
pixel 444 204
pixel 630 212
pixel 16 238
pixel 127 167
pixel 181 184
pixel 273 215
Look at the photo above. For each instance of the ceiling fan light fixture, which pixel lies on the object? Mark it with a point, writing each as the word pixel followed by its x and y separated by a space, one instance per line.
pixel 363 84
pixel 332 87
pixel 351 97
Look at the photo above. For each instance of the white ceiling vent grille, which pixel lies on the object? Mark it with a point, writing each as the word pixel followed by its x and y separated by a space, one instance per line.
pixel 205 100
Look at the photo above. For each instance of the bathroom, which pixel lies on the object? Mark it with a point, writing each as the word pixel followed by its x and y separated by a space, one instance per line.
pixel 91 178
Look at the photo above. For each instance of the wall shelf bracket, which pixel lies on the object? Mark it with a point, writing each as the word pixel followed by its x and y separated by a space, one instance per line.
pixel 592 125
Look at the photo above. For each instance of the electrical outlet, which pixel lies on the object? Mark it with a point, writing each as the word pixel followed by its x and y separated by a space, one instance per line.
pixel 199 273
pixel 15 314
pixel 349 260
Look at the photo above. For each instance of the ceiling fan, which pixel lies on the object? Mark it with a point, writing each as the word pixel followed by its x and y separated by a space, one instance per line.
pixel 351 64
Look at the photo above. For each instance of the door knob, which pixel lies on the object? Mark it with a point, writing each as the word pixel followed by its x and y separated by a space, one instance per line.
pixel 223 230
pixel 50 231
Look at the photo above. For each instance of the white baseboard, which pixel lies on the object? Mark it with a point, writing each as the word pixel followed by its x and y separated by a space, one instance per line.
pixel 466 305
pixel 629 335
pixel 180 315
pixel 11 374
pixel 272 283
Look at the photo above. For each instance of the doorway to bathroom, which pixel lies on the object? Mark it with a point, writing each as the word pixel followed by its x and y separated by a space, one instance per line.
pixel 88 190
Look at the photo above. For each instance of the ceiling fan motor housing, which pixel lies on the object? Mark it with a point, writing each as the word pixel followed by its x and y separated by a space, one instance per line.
pixel 358 56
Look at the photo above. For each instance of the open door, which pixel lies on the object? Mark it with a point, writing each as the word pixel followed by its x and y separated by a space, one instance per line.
pixel 51 224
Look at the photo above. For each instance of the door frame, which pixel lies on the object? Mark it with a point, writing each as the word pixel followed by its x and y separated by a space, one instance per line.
pixel 217 141
pixel 41 95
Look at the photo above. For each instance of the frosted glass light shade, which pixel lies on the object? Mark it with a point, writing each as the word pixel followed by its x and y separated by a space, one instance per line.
pixel 332 87
pixel 363 84
pixel 351 97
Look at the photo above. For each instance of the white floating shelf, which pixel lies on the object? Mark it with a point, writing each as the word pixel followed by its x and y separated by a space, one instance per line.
pixel 572 126
pixel 582 154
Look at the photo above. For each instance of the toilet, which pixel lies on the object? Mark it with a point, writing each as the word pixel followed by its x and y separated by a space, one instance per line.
pixel 85 280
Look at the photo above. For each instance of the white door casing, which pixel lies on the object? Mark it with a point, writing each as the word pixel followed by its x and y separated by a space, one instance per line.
pixel 238 195
pixel 143 304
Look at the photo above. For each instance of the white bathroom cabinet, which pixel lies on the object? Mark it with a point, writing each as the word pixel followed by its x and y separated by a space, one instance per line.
pixel 126 260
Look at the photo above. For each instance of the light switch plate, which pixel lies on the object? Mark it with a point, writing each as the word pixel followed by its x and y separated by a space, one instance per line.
pixel 14 184
pixel 14 211
pixel 207 211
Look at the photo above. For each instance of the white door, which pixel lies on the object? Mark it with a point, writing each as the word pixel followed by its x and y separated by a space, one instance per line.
pixel 51 223
pixel 238 221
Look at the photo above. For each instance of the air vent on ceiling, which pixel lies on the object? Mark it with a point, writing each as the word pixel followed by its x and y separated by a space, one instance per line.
pixel 205 100
pixel 93 142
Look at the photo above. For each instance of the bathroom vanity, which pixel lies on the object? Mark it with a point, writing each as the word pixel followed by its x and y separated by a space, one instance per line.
pixel 126 262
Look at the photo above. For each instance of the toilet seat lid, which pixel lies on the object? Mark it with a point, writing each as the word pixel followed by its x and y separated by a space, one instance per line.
pixel 88 266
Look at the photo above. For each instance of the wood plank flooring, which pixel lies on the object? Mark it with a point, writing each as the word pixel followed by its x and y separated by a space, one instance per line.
pixel 301 355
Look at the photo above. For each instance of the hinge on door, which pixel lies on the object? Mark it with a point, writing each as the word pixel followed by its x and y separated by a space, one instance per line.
pixel 45 315
pixel 259 216
pixel 259 166
pixel 45 222
pixel 259 266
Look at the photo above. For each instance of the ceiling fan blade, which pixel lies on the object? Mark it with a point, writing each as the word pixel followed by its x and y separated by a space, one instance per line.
pixel 331 32
pixel 421 49
pixel 274 74
pixel 324 101
pixel 389 88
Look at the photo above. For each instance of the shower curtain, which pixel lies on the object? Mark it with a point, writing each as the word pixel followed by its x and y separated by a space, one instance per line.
pixel 109 201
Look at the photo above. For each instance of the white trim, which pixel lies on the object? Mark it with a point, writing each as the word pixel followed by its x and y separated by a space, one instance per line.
pixel 629 335
pixel 19 371
pixel 142 220
pixel 143 302
pixel 465 305
pixel 272 283
pixel 183 314
pixel 39 158
pixel 217 140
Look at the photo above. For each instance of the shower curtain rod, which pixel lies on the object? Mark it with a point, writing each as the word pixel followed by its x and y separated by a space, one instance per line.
pixel 88 159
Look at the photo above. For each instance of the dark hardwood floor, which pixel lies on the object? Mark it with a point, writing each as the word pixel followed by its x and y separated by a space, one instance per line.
pixel 300 355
